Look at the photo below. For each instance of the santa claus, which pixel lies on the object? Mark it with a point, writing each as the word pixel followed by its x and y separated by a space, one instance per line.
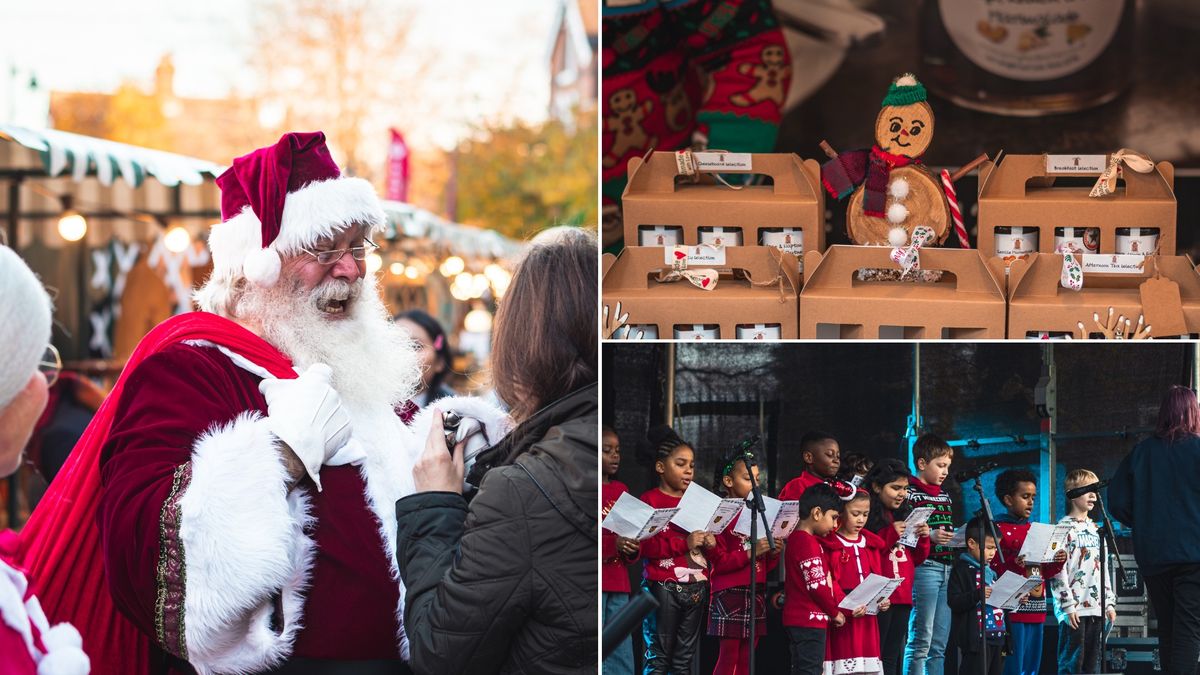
pixel 250 458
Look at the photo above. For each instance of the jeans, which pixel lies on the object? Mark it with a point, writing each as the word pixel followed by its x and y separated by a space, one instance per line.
pixel 1175 595
pixel 620 661
pixel 1079 648
pixel 929 625
pixel 1026 657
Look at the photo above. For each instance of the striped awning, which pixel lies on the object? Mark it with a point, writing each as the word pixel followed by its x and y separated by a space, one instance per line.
pixel 410 221
pixel 83 156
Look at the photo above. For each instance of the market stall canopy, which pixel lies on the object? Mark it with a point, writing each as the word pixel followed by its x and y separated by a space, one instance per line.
pixel 465 240
pixel 81 156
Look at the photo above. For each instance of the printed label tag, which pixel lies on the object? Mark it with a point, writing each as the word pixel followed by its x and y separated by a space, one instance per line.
pixel 700 255
pixel 1076 163
pixel 722 161
pixel 1113 263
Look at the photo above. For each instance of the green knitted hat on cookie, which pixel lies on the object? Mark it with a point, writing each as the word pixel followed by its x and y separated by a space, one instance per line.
pixel 904 91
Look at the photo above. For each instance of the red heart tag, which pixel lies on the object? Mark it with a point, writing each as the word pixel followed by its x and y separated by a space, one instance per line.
pixel 704 282
pixel 680 254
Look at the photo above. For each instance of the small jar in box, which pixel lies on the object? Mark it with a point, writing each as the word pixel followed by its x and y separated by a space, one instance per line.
pixel 1141 240
pixel 1016 243
pixel 697 331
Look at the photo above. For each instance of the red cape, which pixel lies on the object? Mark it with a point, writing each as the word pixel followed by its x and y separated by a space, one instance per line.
pixel 59 547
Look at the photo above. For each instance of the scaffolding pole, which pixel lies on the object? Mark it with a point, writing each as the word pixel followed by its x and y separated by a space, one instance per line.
pixel 671 384
pixel 913 427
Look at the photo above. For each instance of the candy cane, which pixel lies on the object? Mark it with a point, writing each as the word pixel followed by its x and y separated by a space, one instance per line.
pixel 952 197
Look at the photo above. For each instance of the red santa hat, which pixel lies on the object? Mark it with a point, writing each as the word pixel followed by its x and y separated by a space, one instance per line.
pixel 279 200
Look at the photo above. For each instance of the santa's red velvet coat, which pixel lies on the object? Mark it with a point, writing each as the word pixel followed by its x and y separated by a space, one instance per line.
pixel 198 526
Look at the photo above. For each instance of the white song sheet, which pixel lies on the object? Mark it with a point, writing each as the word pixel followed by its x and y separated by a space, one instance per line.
pixel 632 518
pixel 701 510
pixel 1008 589
pixel 870 592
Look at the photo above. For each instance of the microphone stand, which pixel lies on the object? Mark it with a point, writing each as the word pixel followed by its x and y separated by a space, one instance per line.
pixel 1106 538
pixel 989 523
pixel 757 510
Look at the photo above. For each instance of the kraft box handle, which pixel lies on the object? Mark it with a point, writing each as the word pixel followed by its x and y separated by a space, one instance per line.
pixel 659 171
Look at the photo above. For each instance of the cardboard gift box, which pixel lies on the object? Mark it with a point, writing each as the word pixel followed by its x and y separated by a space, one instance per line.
pixel 1051 191
pixel 965 303
pixel 666 205
pixel 630 279
pixel 1037 302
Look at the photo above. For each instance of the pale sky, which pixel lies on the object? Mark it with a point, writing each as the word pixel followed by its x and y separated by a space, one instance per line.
pixel 86 45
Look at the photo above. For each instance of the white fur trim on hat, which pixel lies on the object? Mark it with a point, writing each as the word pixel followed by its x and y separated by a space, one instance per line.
pixel 899 188
pixel 906 80
pixel 318 210
pixel 896 213
pixel 24 324
pixel 323 208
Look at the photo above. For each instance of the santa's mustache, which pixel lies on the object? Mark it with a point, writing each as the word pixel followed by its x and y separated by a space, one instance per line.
pixel 335 290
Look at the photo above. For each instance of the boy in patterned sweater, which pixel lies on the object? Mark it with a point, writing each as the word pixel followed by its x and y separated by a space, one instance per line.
pixel 810 604
pixel 929 624
pixel 1077 587
pixel 1017 490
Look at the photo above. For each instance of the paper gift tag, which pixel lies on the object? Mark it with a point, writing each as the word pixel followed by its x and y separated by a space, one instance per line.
pixel 1162 307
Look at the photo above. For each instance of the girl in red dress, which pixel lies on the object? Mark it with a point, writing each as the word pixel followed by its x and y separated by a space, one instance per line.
pixel 854 555
pixel 729 606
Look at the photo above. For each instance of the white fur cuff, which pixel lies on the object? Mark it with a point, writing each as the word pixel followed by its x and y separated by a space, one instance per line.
pixel 243 542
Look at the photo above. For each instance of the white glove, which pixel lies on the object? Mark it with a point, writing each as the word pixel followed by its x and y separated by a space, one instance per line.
pixel 306 413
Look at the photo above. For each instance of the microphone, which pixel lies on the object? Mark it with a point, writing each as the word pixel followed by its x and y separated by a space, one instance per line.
pixel 743 450
pixel 979 470
pixel 1096 487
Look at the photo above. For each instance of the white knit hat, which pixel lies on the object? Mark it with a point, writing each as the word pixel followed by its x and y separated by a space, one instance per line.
pixel 24 324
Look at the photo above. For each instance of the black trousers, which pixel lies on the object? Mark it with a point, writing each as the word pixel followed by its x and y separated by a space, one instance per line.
pixel 1079 648
pixel 807 646
pixel 893 632
pixel 672 632
pixel 1175 595
pixel 964 662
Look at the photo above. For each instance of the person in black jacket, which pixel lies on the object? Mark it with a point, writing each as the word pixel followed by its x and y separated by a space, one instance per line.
pixel 1154 492
pixel 965 610
pixel 508 583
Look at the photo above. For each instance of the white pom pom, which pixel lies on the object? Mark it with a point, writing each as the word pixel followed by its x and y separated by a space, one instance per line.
pixel 906 80
pixel 64 652
pixel 261 267
pixel 897 236
pixel 896 213
pixel 65 662
pixel 60 636
pixel 899 188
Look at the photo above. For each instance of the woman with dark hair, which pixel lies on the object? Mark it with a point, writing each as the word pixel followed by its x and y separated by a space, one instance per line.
pixel 507 582
pixel 433 354
pixel 1154 491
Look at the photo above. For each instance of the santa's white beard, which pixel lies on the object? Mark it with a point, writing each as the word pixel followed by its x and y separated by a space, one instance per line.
pixel 373 361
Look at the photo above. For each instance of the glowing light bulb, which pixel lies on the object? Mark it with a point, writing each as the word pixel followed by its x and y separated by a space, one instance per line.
pixel 72 226
pixel 177 239
pixel 477 321
pixel 396 268
pixel 374 263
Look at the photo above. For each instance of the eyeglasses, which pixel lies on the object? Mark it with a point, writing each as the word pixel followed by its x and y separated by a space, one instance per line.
pixel 359 253
pixel 50 365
